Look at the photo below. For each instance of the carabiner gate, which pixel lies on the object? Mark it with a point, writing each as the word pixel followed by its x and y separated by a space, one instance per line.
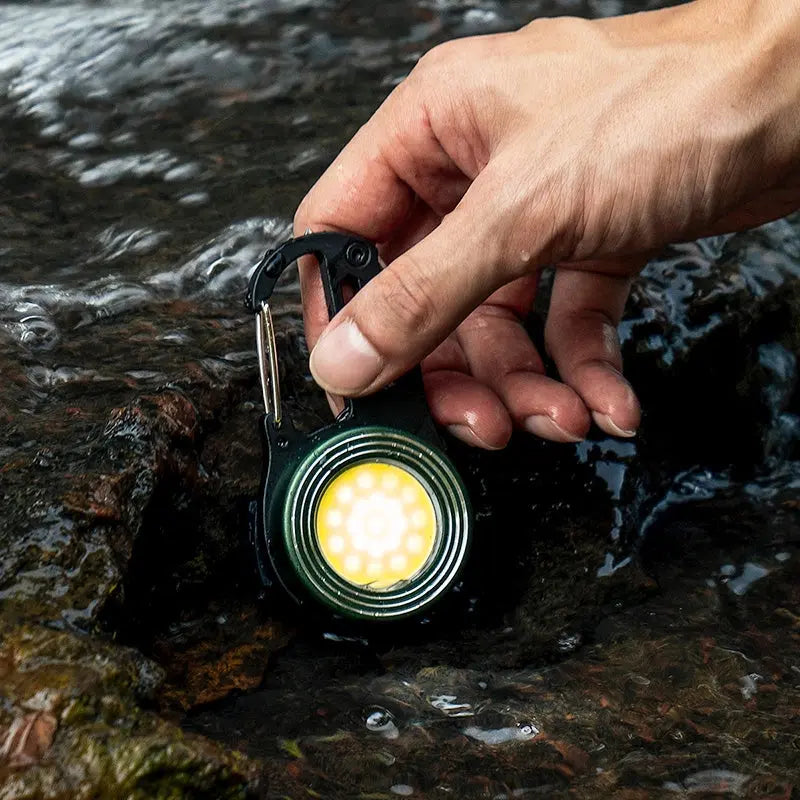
pixel 268 363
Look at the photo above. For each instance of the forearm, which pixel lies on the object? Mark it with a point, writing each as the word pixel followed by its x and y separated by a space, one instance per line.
pixel 727 75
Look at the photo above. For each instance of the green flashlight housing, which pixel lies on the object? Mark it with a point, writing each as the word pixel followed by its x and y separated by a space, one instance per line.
pixel 392 426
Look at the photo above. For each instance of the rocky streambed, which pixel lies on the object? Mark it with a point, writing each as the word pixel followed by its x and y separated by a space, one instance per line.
pixel 628 626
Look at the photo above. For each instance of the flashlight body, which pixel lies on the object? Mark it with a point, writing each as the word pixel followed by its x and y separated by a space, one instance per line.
pixel 391 433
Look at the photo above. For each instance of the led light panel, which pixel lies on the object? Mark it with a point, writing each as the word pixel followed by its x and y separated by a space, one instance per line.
pixel 376 525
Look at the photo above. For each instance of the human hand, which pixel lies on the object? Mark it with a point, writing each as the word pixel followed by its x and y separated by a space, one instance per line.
pixel 587 144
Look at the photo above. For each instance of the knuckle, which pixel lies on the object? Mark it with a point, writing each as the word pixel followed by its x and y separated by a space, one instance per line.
pixel 408 298
pixel 302 216
pixel 435 57
pixel 403 93
pixel 444 58
pixel 550 30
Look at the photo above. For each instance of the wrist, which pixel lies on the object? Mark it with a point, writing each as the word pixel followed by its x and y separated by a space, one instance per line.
pixel 765 78
pixel 745 55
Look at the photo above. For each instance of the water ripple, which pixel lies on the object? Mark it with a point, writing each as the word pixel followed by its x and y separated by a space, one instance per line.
pixel 35 316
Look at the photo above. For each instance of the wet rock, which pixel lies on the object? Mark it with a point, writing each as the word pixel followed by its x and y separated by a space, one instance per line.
pixel 694 342
pixel 130 519
pixel 79 525
pixel 207 658
pixel 654 704
pixel 126 516
pixel 27 739
pixel 78 531
pixel 73 726
pixel 649 657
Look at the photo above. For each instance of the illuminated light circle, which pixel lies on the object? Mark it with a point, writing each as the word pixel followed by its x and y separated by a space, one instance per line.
pixel 352 563
pixel 365 480
pixel 398 562
pixel 376 525
pixel 344 495
pixel 407 495
pixel 337 544
pixel 418 519
pixel 335 518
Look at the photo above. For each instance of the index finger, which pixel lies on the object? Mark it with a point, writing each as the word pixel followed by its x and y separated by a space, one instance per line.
pixel 359 193
pixel 392 167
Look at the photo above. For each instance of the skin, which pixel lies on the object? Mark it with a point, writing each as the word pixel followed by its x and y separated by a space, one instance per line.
pixel 584 144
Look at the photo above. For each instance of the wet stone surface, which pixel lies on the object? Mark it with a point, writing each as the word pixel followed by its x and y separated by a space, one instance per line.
pixel 628 626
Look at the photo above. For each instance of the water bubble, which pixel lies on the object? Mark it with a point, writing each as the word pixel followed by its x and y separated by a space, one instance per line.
pixel 146 375
pixel 114 170
pixel 117 298
pixel 115 242
pixel 303 159
pixel 38 332
pixel 496 736
pixel 527 730
pixel 54 130
pixel 710 781
pixel 380 720
pixel 478 18
pixel 750 574
pixel 448 705
pixel 569 642
pixel 31 325
pixel 123 139
pixel 749 685
pixel 43 377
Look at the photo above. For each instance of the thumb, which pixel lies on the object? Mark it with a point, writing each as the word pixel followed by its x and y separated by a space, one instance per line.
pixel 404 313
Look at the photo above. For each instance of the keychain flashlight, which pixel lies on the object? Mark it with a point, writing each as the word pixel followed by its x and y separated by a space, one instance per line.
pixel 366 515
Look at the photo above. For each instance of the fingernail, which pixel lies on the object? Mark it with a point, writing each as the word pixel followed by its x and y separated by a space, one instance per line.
pixel 468 436
pixel 344 362
pixel 544 426
pixel 609 426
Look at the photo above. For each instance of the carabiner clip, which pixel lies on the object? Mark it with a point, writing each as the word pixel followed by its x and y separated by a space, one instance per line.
pixel 268 363
pixel 342 258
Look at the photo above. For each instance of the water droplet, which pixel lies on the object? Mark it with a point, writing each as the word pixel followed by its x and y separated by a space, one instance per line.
pixel 379 720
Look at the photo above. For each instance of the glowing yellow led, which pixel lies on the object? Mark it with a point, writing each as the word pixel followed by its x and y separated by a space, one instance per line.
pixel 376 525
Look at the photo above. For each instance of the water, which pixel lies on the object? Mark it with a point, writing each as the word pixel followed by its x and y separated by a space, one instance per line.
pixel 630 621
